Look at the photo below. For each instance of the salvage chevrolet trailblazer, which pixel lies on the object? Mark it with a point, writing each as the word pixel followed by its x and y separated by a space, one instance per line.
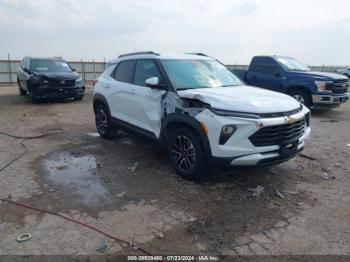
pixel 199 111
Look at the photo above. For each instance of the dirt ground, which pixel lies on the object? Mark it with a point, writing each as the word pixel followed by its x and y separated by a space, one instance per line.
pixel 126 187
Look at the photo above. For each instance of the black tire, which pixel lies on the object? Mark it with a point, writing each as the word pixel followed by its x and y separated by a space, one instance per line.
pixel 34 98
pixel 301 96
pixel 186 154
pixel 103 122
pixel 20 89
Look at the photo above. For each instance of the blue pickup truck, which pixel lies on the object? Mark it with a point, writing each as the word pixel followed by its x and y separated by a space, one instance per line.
pixel 287 75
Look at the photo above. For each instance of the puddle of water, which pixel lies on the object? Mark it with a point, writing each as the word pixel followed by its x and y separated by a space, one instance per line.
pixel 76 174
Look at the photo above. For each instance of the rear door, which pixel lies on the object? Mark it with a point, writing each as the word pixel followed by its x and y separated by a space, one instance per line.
pixel 118 89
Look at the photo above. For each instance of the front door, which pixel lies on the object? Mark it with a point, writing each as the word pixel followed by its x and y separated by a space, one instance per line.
pixel 146 101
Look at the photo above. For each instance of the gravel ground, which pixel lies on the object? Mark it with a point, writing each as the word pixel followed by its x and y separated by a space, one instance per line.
pixel 127 188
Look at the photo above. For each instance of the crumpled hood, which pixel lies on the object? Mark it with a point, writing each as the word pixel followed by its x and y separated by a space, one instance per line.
pixel 243 99
pixel 320 75
pixel 59 75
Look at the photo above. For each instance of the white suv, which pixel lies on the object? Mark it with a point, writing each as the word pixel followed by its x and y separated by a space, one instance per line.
pixel 344 71
pixel 199 111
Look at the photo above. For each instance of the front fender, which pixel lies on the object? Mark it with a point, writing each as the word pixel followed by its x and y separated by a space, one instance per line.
pixel 176 119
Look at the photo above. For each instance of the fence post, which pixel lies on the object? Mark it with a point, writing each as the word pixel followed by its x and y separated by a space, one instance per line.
pixel 83 69
pixel 9 65
pixel 93 67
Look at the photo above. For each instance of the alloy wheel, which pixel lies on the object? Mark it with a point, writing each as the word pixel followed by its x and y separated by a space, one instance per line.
pixel 101 121
pixel 299 98
pixel 183 153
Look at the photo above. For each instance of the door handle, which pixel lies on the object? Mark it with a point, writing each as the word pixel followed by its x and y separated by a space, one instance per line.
pixel 108 86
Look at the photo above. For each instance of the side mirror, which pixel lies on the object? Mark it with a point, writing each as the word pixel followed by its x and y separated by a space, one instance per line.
pixel 152 82
pixel 73 69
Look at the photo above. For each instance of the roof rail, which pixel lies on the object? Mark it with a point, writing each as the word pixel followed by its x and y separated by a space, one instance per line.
pixel 200 54
pixel 139 53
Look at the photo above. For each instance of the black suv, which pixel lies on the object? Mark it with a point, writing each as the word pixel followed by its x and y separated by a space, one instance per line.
pixel 49 78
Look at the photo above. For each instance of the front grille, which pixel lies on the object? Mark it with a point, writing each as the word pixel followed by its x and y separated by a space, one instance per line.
pixel 276 135
pixel 339 86
pixel 62 82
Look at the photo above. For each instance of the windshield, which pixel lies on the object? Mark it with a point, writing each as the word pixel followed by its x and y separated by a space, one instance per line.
pixel 292 64
pixel 191 74
pixel 41 65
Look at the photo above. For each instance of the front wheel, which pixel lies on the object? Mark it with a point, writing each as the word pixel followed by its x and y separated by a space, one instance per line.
pixel 186 154
pixel 301 96
pixel 103 122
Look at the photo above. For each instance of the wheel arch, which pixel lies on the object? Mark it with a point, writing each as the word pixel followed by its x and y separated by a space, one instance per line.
pixel 303 88
pixel 174 121
pixel 291 88
pixel 100 99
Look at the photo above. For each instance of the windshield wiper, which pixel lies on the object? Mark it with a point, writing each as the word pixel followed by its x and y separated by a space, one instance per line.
pixel 193 87
pixel 302 70
pixel 227 85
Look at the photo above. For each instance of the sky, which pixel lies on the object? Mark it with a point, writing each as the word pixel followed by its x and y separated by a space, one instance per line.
pixel 314 31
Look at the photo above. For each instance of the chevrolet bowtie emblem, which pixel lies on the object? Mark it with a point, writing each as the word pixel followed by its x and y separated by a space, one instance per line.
pixel 63 82
pixel 291 120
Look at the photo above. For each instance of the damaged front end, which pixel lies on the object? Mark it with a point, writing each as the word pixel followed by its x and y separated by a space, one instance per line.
pixel 43 87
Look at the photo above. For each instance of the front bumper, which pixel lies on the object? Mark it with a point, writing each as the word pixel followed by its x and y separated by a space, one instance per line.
pixel 239 151
pixel 329 100
pixel 44 92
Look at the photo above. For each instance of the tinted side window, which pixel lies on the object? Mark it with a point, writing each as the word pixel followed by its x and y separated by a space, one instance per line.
pixel 125 71
pixel 266 66
pixel 145 69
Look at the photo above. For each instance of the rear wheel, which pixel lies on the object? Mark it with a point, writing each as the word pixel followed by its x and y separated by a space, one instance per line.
pixel 103 122
pixel 301 96
pixel 186 154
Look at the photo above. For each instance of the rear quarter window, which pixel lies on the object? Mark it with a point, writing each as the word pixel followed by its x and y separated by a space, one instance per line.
pixel 125 71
